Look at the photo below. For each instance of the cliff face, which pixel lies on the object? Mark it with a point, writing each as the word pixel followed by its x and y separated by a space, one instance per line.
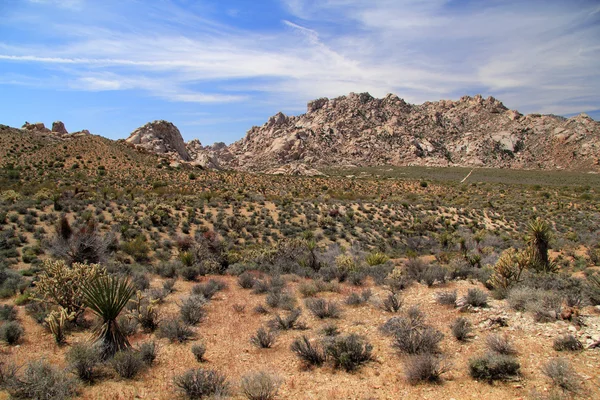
pixel 361 130
pixel 161 137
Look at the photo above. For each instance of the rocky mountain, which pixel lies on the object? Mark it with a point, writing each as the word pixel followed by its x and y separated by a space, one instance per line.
pixel 58 130
pixel 364 131
pixel 161 137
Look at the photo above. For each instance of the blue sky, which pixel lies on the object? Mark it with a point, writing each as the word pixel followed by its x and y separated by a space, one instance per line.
pixel 216 68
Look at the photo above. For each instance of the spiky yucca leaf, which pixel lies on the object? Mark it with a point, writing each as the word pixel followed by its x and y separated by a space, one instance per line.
pixel 106 297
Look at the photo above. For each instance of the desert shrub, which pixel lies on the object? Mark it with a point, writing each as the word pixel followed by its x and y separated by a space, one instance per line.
pixel 308 289
pixel 354 299
pixel 83 360
pixel 392 303
pixel 127 364
pixel 349 352
pixel 562 374
pixel 288 322
pixel 263 339
pixel 8 312
pixel 189 273
pixel 476 298
pixel 168 269
pixel 209 289
pixel 79 245
pixel 416 339
pixel 567 343
pixel 192 310
pixel 260 286
pixel 198 350
pixel 426 368
pixel 330 330
pixel 148 352
pixel 145 312
pixel 447 298
pixel 376 258
pixel 137 248
pixel 322 308
pixel 521 298
pixel 169 285
pixel 246 280
pixel 175 331
pixel 129 325
pixel 461 329
pixel 500 345
pixel 509 268
pixel 433 274
pixel 140 281
pixel 202 383
pixel 281 299
pixel 11 332
pixel 260 386
pixel 261 309
pixel 42 381
pixel 309 353
pixel 492 367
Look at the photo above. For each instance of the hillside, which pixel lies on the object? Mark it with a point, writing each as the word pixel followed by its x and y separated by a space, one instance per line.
pixel 364 131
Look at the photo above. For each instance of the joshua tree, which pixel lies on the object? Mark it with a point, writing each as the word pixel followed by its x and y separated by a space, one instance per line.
pixel 106 296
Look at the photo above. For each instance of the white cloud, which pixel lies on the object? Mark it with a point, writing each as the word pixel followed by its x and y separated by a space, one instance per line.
pixel 534 58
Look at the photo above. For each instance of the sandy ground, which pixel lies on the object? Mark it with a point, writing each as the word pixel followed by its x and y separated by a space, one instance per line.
pixel 226 333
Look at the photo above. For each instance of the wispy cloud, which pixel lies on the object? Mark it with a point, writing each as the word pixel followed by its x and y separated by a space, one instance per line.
pixel 536 56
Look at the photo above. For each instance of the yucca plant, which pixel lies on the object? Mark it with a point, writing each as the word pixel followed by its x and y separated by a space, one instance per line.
pixel 538 239
pixel 106 296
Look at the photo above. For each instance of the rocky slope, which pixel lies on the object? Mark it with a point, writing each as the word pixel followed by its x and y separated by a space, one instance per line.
pixel 161 137
pixel 361 130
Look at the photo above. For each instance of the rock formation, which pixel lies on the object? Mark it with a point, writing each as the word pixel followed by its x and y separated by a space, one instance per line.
pixel 161 137
pixel 58 127
pixel 361 130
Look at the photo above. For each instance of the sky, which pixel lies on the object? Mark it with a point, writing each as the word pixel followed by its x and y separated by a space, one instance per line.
pixel 217 68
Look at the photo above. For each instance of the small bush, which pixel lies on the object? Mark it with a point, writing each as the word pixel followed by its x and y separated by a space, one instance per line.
pixel 308 289
pixel 148 352
pixel 8 312
pixel 521 298
pixel 246 280
pixel 392 303
pixel 447 298
pixel 501 345
pixel 426 368
pixel 192 310
pixel 260 386
pixel 11 332
pixel 310 353
pixel 209 289
pixel 562 375
pixel 567 343
pixel 198 350
pixel 349 352
pixel 493 367
pixel 129 326
pixel 83 360
pixel 200 383
pixel 175 331
pixel 127 363
pixel 412 337
pixel 42 381
pixel 354 299
pixel 287 323
pixel 476 298
pixel 281 299
pixel 461 329
pixel 330 330
pixel 322 308
pixel 263 339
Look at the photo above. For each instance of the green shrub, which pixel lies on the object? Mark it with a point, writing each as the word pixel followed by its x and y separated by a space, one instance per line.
pixel 148 352
pixel 349 352
pixel 322 308
pixel 192 310
pixel 83 360
pixel 461 329
pixel 127 363
pixel 492 367
pixel 310 353
pixel 198 350
pixel 263 339
pixel 8 312
pixel 11 332
pixel 175 331
pixel 476 298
